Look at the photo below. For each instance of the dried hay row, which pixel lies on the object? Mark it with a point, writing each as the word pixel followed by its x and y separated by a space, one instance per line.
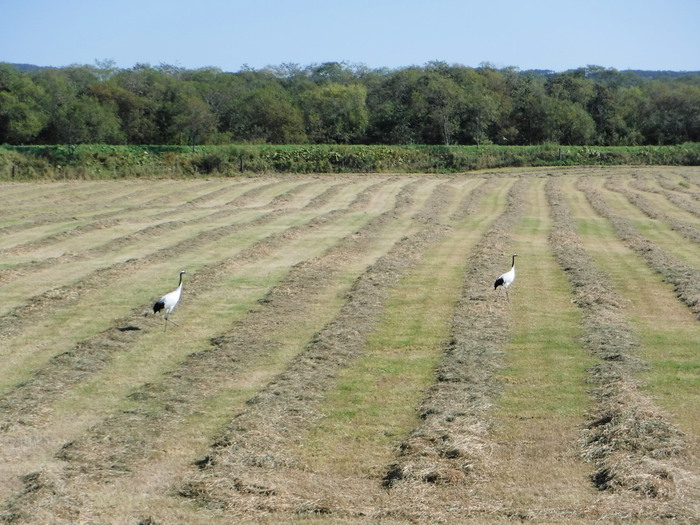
pixel 25 269
pixel 48 240
pixel 678 189
pixel 247 466
pixel 105 465
pixel 227 213
pixel 685 279
pixel 690 178
pixel 118 443
pixel 629 440
pixel 47 303
pixel 26 403
pixel 469 206
pixel 684 228
pixel 290 198
pixel 672 196
pixel 33 206
pixel 206 371
pixel 326 197
pixel 449 445
pixel 78 202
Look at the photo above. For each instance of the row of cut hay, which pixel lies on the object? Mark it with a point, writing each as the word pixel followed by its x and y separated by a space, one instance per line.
pixel 627 438
pixel 28 401
pixel 684 278
pixel 684 228
pixel 691 180
pixel 680 200
pixel 46 304
pixel 449 444
pixel 41 205
pixel 171 399
pixel 113 447
pixel 110 454
pixel 212 229
pixel 122 203
pixel 90 355
pixel 683 191
pixel 63 293
pixel 253 464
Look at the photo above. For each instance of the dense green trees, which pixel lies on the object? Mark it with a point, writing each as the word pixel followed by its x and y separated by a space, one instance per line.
pixel 21 115
pixel 336 103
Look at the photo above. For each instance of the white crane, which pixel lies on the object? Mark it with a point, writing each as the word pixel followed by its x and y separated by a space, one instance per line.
pixel 168 302
pixel 507 278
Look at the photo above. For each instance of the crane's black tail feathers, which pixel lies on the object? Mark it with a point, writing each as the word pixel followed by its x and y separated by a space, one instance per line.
pixel 158 307
pixel 499 282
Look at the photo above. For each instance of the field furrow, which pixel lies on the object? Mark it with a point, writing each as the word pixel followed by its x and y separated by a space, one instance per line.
pixel 259 449
pixel 341 355
pixel 255 258
pixel 271 232
pixel 638 453
pixel 685 279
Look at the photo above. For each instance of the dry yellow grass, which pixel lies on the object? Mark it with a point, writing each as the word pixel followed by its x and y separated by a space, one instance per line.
pixel 536 467
pixel 317 321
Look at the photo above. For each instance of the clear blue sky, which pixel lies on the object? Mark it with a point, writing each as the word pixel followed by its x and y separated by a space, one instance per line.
pixel 527 34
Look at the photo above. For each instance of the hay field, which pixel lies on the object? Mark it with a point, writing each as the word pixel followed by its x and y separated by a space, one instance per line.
pixel 340 354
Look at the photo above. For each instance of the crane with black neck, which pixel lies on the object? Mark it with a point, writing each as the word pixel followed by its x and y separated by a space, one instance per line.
pixel 168 302
pixel 507 278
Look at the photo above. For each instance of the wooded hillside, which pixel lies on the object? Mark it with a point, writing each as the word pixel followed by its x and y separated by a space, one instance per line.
pixel 337 103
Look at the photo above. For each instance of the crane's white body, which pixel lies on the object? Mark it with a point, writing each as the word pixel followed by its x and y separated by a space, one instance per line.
pixel 169 301
pixel 507 278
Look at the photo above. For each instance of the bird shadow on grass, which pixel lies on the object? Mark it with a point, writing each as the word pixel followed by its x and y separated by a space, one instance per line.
pixel 128 328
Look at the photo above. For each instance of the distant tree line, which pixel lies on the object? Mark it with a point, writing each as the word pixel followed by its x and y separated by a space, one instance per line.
pixel 337 103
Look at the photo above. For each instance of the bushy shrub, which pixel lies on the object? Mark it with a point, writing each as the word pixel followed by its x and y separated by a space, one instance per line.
pixel 95 161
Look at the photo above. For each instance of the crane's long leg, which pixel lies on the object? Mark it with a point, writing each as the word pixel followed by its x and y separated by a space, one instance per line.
pixel 169 321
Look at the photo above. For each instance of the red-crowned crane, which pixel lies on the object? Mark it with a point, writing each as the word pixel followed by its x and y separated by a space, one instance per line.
pixel 168 302
pixel 507 278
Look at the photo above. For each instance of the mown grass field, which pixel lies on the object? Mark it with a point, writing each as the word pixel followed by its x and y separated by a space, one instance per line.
pixel 340 354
